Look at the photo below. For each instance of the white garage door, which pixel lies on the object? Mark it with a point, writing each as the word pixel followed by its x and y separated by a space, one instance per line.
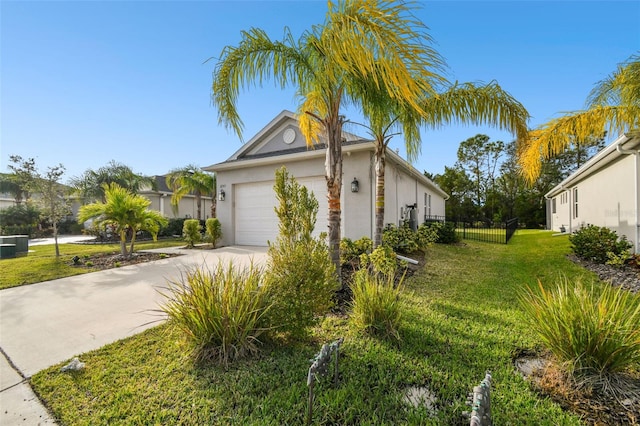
pixel 256 221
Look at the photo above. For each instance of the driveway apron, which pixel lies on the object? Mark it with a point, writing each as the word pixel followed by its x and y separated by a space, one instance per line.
pixel 50 322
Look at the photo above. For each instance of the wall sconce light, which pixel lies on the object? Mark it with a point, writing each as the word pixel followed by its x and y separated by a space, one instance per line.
pixel 221 195
pixel 355 185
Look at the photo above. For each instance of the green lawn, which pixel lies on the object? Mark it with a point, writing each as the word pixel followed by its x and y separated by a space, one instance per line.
pixel 41 263
pixel 462 318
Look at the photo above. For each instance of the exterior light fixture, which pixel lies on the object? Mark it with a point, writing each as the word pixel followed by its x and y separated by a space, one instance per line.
pixel 355 185
pixel 221 195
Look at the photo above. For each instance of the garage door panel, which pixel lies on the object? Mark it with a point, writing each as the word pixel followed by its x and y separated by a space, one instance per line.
pixel 255 219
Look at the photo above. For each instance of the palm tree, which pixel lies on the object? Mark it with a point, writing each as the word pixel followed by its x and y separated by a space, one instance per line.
pixel 90 184
pixel 191 179
pixel 613 106
pixel 380 42
pixel 459 103
pixel 128 213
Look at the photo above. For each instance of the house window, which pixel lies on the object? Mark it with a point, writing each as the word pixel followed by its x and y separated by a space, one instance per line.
pixel 427 205
pixel 575 203
pixel 553 205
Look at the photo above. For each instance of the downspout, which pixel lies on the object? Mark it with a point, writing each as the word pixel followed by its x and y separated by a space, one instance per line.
pixel 637 183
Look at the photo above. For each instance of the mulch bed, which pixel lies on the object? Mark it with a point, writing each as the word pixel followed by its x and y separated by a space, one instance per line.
pixel 109 260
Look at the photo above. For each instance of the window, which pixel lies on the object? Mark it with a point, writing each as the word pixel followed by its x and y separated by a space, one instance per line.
pixel 575 203
pixel 427 205
pixel 553 205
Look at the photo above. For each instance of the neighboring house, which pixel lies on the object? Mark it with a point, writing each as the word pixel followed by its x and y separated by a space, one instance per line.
pixel 246 199
pixel 605 191
pixel 161 201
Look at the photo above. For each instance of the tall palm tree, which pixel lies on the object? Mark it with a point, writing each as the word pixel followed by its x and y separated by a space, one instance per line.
pixel 90 185
pixel 359 40
pixel 457 103
pixel 128 213
pixel 191 179
pixel 613 106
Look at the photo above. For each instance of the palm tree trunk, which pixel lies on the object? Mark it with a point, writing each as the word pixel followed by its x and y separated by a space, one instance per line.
pixel 380 161
pixel 123 243
pixel 198 202
pixel 133 240
pixel 334 186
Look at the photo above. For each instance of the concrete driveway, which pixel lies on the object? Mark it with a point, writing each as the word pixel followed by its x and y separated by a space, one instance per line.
pixel 50 322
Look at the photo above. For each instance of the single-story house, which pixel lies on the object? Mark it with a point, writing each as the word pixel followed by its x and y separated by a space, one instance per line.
pixel 246 199
pixel 605 191
pixel 187 208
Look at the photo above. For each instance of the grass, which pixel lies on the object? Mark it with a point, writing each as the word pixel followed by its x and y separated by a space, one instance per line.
pixel 41 263
pixel 462 319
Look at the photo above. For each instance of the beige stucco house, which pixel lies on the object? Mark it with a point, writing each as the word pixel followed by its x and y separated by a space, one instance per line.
pixel 605 191
pixel 246 199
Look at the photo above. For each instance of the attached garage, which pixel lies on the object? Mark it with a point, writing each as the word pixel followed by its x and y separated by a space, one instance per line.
pixel 255 219
pixel 246 199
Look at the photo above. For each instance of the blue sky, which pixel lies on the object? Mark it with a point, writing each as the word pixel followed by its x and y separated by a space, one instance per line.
pixel 85 82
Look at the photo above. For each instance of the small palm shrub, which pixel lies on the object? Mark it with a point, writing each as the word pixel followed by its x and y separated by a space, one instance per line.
pixel 213 231
pixel 595 243
pixel 191 232
pixel 595 334
pixel 219 310
pixel 376 308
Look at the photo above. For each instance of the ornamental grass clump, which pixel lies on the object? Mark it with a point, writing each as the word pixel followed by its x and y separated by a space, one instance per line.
pixel 376 308
pixel 594 333
pixel 219 310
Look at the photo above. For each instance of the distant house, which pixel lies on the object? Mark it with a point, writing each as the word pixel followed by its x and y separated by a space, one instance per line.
pixel 161 201
pixel 246 198
pixel 605 191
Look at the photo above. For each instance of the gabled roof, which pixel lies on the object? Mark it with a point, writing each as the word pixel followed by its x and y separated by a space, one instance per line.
pixel 249 156
pixel 607 155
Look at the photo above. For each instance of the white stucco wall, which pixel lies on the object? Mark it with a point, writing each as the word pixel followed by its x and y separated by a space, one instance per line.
pixel 608 199
pixel 605 198
pixel 358 211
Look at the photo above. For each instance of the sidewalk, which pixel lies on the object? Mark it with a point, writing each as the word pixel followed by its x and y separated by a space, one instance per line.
pixel 50 322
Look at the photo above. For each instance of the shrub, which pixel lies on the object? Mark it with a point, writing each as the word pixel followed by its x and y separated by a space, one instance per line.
pixel 595 242
pixel 596 334
pixel 21 219
pixel 191 232
pixel 351 250
pixel 426 235
pixel 446 232
pixel 401 239
pixel 376 306
pixel 174 227
pixel 213 231
pixel 300 282
pixel 300 278
pixel 219 311
pixel 382 260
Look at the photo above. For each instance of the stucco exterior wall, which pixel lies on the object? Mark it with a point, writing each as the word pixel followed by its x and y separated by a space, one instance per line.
pixel 608 200
pixel 605 198
pixel 226 180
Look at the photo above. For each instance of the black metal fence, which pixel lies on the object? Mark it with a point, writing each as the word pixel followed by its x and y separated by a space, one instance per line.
pixel 481 229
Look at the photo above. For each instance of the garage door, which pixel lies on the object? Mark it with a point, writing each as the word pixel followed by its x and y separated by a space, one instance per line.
pixel 256 221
